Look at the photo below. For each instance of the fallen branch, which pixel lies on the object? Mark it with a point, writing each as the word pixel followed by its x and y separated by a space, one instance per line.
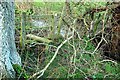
pixel 37 38
pixel 40 73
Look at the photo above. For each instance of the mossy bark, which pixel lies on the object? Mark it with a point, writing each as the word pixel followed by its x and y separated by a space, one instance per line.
pixel 8 52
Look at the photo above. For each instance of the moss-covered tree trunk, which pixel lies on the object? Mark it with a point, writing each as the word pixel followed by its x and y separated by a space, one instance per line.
pixel 8 52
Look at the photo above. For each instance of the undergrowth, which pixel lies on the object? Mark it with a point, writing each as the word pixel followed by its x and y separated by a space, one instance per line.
pixel 77 58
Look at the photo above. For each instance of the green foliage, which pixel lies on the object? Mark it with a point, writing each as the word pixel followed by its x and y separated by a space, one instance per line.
pixel 56 6
pixel 98 76
pixel 20 72
pixel 86 6
pixel 89 45
pixel 111 68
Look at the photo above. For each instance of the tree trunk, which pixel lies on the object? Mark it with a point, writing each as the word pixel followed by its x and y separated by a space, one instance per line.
pixel 8 52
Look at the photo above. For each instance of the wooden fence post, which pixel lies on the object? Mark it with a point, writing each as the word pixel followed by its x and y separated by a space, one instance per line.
pixel 22 32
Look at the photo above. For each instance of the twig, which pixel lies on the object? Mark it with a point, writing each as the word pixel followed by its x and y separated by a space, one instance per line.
pixel 97 46
pixel 102 34
pixel 108 61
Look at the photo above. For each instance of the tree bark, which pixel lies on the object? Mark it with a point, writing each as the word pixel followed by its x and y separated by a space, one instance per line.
pixel 8 52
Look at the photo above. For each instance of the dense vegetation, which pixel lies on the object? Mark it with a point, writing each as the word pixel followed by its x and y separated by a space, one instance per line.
pixel 63 43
